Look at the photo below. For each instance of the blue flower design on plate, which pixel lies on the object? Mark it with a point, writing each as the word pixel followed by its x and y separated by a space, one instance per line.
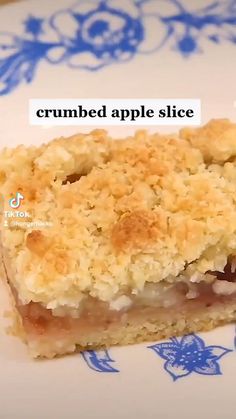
pixel 189 354
pixel 99 33
pixel 95 33
pixel 99 361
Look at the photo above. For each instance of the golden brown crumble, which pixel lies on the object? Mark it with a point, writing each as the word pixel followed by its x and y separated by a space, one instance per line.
pixel 135 230
pixel 144 208
pixel 37 243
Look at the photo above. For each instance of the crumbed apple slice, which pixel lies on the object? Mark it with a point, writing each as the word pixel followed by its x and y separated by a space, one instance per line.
pixel 121 241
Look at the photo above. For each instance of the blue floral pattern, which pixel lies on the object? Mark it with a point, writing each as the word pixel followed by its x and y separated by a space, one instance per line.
pixel 190 355
pixel 183 356
pixel 99 361
pixel 95 33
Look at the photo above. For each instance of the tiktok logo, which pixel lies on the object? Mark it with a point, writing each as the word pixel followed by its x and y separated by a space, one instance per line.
pixel 16 202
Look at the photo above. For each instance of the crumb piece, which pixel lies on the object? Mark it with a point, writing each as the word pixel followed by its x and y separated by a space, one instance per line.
pixel 37 243
pixel 134 230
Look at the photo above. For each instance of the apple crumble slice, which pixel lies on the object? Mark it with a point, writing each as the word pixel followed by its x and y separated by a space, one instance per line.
pixel 137 239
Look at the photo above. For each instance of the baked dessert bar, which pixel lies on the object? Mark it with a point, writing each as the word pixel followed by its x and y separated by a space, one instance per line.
pixel 137 237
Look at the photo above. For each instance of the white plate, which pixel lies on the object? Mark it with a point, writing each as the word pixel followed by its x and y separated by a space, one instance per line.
pixel 165 48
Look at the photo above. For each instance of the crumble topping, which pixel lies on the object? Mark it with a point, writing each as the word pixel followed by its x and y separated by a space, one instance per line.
pixel 124 213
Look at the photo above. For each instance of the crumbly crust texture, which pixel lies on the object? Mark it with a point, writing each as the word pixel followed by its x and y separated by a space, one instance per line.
pixel 123 213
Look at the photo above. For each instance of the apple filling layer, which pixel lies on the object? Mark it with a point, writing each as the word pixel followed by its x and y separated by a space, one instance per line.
pixel 160 300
